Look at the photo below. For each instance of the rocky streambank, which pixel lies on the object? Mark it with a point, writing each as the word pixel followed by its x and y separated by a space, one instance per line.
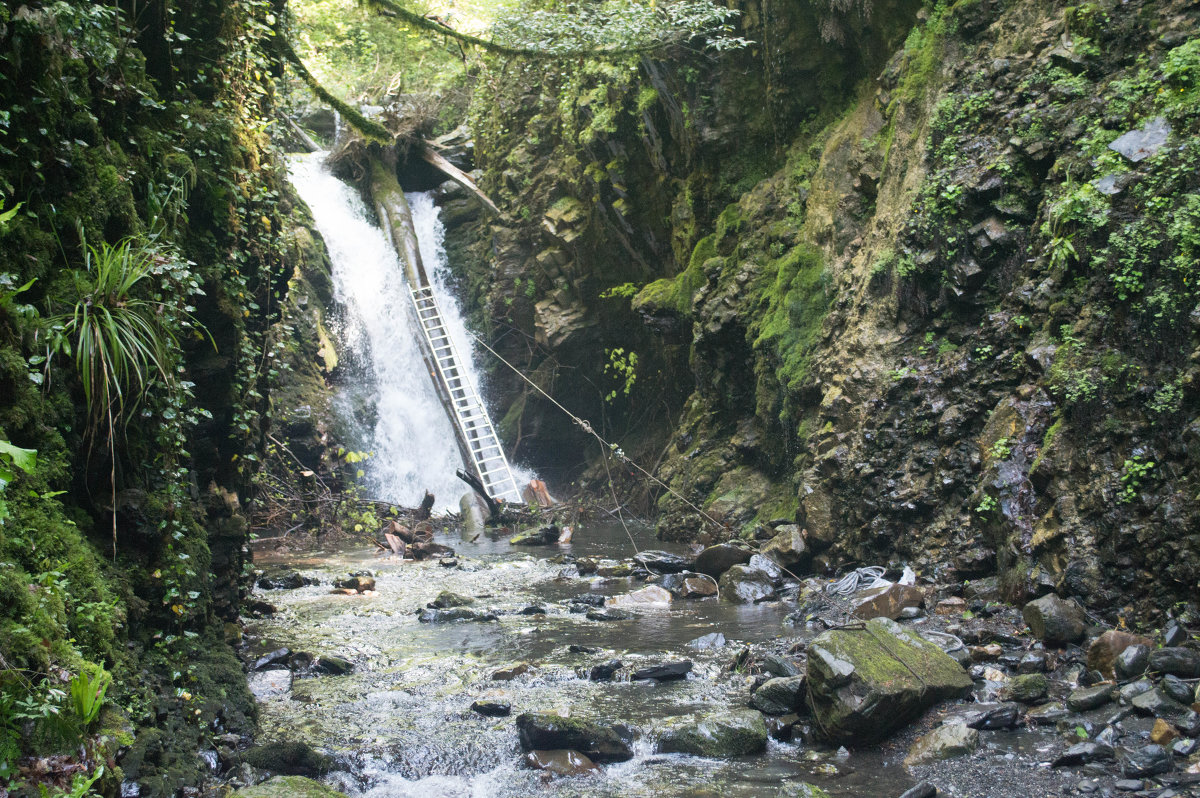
pixel 576 667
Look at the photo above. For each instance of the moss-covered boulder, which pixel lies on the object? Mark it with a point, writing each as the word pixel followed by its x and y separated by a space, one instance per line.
pixel 867 682
pixel 718 736
pixel 545 730
pixel 289 787
pixel 289 758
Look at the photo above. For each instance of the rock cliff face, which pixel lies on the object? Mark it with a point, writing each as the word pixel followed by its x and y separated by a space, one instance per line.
pixel 948 315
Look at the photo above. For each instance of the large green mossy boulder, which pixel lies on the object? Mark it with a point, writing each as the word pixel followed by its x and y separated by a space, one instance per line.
pixel 718 736
pixel 289 787
pixel 866 682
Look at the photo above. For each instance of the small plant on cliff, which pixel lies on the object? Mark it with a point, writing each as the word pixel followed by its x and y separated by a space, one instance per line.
pixel 1133 472
pixel 621 366
pixel 116 338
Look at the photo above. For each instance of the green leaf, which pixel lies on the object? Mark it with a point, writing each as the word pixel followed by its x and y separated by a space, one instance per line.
pixel 24 459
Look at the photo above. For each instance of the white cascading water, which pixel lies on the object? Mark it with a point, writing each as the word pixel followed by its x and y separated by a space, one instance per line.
pixel 412 439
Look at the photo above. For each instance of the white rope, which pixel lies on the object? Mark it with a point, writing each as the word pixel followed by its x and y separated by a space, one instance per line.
pixel 850 582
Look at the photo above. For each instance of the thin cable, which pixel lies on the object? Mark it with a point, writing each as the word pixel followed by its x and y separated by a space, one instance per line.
pixel 586 427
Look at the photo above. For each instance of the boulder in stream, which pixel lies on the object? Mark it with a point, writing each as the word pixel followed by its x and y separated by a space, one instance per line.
pixel 886 601
pixel 720 735
pixel 1106 650
pixel 716 560
pixel 789 548
pixel 745 585
pixel 284 580
pixel 453 615
pixel 540 731
pixel 535 537
pixel 269 684
pixel 289 787
pixel 649 596
pixel 360 583
pixel 663 562
pixel 1055 621
pixel 446 599
pixel 289 759
pixel 779 696
pixel 561 762
pixel 947 741
pixel 491 709
pixel 865 683
pixel 664 671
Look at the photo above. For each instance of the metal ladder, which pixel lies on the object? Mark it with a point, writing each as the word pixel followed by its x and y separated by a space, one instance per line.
pixel 487 456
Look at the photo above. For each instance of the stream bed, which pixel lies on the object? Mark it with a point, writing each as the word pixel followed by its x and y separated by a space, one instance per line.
pixel 401 723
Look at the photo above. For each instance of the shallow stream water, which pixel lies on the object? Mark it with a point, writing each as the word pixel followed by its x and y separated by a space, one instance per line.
pixel 401 724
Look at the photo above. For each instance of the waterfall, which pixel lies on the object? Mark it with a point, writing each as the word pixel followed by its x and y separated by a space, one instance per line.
pixel 390 403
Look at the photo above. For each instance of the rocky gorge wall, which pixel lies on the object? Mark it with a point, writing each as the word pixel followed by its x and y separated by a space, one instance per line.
pixel 949 318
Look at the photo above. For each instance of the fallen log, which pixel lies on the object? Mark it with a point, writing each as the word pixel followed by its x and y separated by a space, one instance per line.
pixel 451 171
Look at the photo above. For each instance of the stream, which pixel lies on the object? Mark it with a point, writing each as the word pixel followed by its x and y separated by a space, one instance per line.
pixel 401 724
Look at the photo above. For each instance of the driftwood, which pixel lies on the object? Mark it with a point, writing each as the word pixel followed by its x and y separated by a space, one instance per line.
pixel 305 139
pixel 476 484
pixel 435 159
pixel 396 218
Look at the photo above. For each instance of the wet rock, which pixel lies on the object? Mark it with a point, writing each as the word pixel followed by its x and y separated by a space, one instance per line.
pixel 1158 704
pixel 1027 688
pixel 789 548
pixel 649 596
pixel 1189 724
pixel 1148 760
pixel 533 609
pixel 1185 748
pixel 768 566
pixel 285 580
pixel 575 648
pixel 289 759
pixel 1054 621
pixel 664 671
pixel 258 608
pixel 716 560
pixel 988 653
pixel 945 742
pixel 426 549
pixel 613 569
pixel 598 741
pixel 1033 662
pixel 453 615
pixel 781 727
pixel 1163 733
pixel 662 562
pixel 865 683
pixel 778 666
pixel 491 709
pixel 886 601
pixel 1177 661
pixel 589 599
pixel 698 587
pixel 288 787
pixel 952 605
pixel 445 600
pixel 1086 698
pixel 278 656
pixel 722 735
pixel 1145 142
pixel 1004 716
pixel 605 671
pixel 510 672
pixel 708 642
pixel 562 762
pixel 269 684
pixel 743 585
pixel 333 666
pixel 535 537
pixel 613 614
pixel 1105 651
pixel 1174 634
pixel 1176 688
pixel 1132 662
pixel 922 790
pixel 1083 753
pixel 1130 691
pixel 357 582
pixel 1128 785
pixel 779 696
pixel 1046 714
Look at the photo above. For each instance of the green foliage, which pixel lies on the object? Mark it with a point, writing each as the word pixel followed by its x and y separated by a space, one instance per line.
pixel 987 505
pixel 792 308
pixel 1134 470
pixel 1001 449
pixel 622 290
pixel 86 697
pixel 116 337
pixel 622 367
